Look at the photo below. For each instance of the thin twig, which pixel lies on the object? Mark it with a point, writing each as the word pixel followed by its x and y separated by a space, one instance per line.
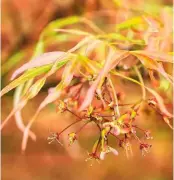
pixel 82 127
pixel 73 113
pixel 69 126
pixel 141 81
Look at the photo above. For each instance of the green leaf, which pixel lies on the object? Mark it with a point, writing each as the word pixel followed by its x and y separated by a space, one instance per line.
pixel 39 49
pixel 116 36
pixel 73 32
pixel 129 23
pixel 44 59
pixel 120 37
pixel 59 24
pixel 12 62
pixel 36 87
pixel 29 75
pixel 66 79
pixel 91 66
pixel 137 41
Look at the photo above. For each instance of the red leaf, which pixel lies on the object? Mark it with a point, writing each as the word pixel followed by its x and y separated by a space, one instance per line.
pixel 113 58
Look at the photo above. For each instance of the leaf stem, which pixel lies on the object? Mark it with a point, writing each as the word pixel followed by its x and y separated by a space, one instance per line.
pixel 116 109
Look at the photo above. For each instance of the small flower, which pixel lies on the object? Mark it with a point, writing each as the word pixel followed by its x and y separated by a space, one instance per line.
pixel 133 131
pixel 145 148
pixel 126 145
pixel 93 156
pixel 148 134
pixel 61 106
pixel 72 137
pixel 116 130
pixel 98 118
pixel 106 151
pixel 54 137
pixel 90 111
pixel 70 103
pixel 133 114
pixel 121 143
pixel 91 77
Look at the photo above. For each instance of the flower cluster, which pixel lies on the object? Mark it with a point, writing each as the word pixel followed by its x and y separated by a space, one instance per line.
pixel 109 120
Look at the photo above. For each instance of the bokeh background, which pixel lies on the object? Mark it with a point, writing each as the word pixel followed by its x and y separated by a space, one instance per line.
pixel 22 22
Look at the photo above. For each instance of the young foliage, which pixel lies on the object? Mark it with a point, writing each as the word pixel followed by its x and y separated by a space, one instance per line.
pixel 94 62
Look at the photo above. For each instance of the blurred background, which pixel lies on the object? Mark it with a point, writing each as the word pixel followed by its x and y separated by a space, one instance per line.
pixel 22 22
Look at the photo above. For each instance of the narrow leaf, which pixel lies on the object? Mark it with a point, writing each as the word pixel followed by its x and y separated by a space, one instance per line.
pixel 18 116
pixel 33 91
pixel 129 23
pixel 153 65
pixel 29 75
pixel 61 23
pixel 155 94
pixel 73 31
pixel 52 96
pixel 21 104
pixel 41 60
pixel 156 55
pixel 112 60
